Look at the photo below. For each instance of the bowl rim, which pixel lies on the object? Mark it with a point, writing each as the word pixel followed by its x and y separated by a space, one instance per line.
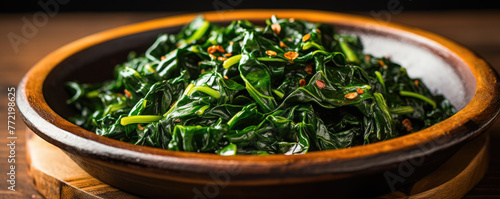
pixel 469 122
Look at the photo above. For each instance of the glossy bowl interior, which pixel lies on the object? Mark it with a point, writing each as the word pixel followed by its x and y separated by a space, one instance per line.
pixel 446 67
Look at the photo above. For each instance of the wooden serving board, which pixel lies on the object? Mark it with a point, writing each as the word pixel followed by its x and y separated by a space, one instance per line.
pixel 55 175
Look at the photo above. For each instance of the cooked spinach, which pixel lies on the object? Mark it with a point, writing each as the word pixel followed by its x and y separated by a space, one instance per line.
pixel 288 87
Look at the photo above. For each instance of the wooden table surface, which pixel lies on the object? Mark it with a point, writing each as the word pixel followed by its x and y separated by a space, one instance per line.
pixel 477 30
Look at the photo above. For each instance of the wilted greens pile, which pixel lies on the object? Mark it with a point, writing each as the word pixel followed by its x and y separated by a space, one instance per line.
pixel 288 87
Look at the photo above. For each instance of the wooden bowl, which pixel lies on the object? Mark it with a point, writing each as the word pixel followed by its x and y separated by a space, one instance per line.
pixel 464 78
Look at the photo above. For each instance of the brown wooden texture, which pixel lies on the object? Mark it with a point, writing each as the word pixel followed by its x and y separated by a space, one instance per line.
pixel 455 177
pixel 57 176
pixel 477 30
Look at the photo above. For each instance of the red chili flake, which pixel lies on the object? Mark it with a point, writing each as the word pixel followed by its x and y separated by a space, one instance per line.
pixel 231 43
pixel 202 71
pixel 276 28
pixel 221 49
pixel 226 77
pixel 291 55
pixel 309 69
pixel 228 54
pixel 271 52
pixel 360 90
pixel 407 123
pixel 318 30
pixel 127 93
pixel 172 104
pixel 212 56
pixel 306 37
pixel 221 58
pixel 178 120
pixel 381 63
pixel 302 82
pixel 163 57
pixel 367 58
pixel 212 49
pixel 351 95
pixel 417 82
pixel 140 127
pixel 320 83
pixel 283 45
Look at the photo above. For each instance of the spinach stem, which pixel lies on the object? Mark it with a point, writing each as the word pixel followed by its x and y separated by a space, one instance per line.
pixel 199 33
pixel 418 96
pixel 271 59
pixel 380 79
pixel 401 110
pixel 278 93
pixel 231 121
pixel 92 94
pixel 231 61
pixel 351 56
pixel 206 90
pixel 114 107
pixel 137 119
pixel 202 110
pixel 380 100
pixel 311 44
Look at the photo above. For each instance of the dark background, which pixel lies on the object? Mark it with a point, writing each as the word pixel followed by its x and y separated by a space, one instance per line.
pixel 13 6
